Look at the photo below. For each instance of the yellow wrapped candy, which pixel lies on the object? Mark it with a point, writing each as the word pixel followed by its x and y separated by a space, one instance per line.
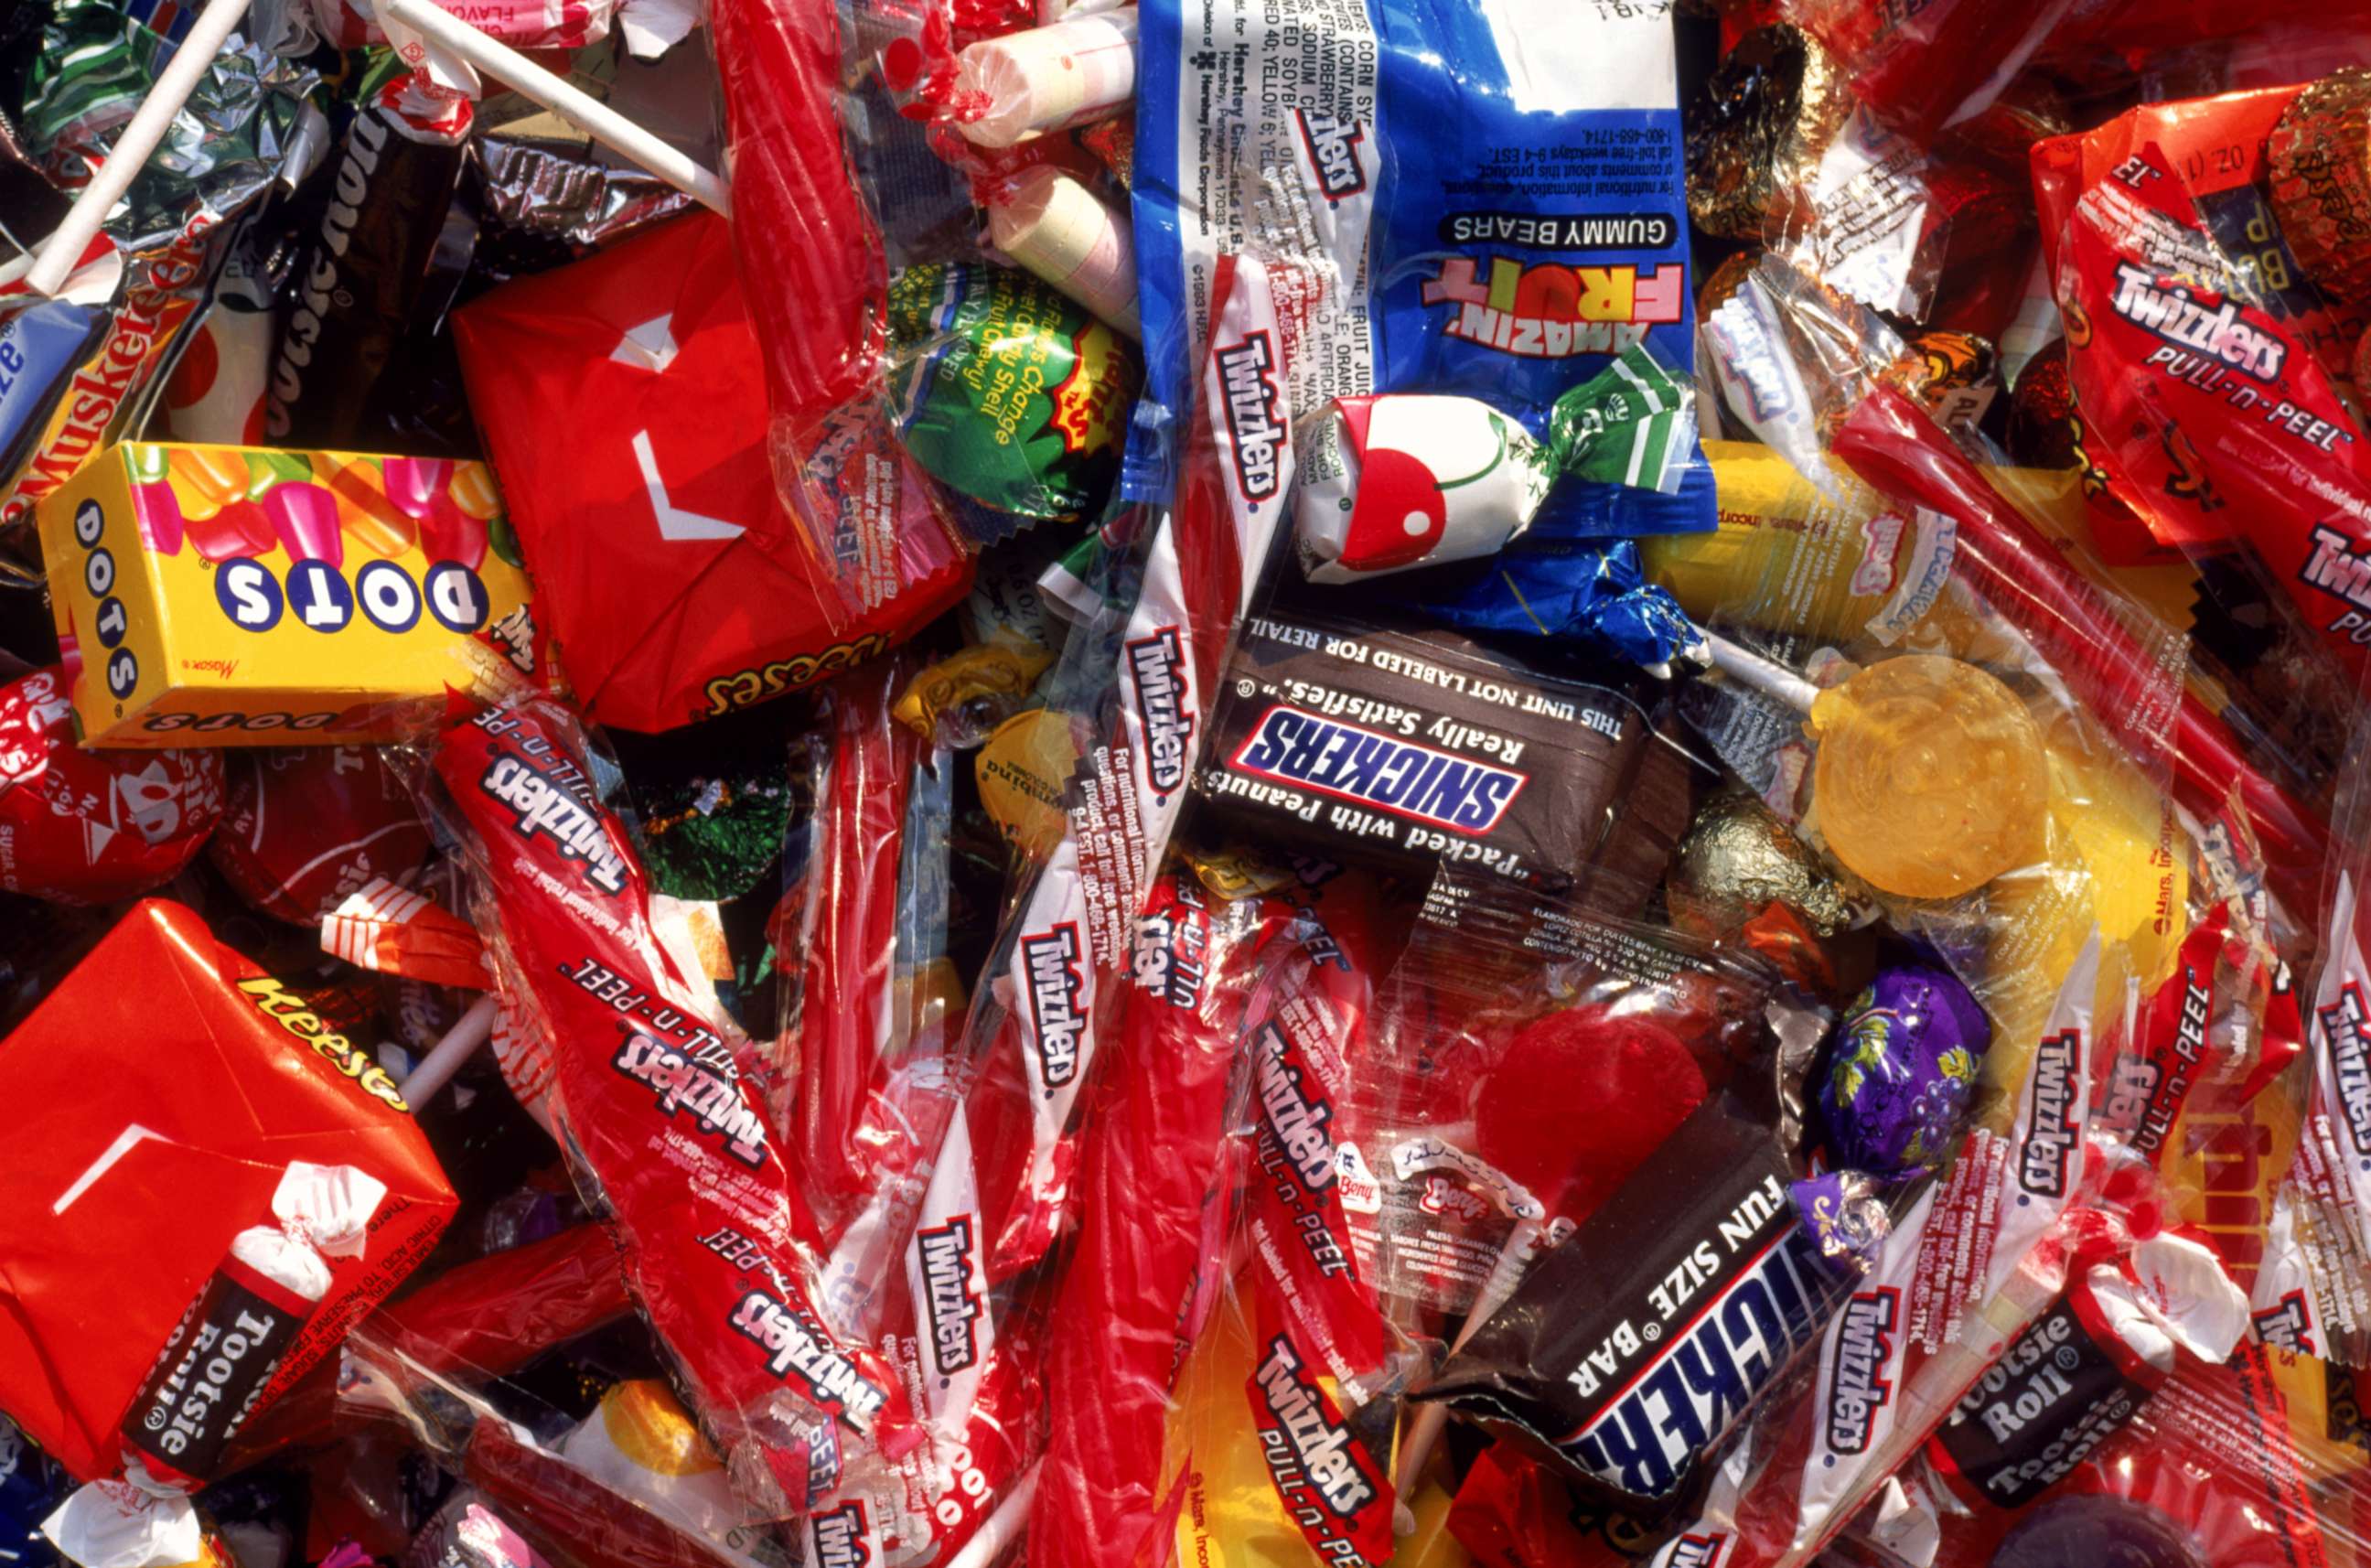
pixel 1232 1518
pixel 1930 779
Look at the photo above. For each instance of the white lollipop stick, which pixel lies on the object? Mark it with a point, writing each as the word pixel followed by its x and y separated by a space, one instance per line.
pixel 134 142
pixel 1766 675
pixel 587 113
pixel 1425 1428
pixel 1002 1528
pixel 444 1058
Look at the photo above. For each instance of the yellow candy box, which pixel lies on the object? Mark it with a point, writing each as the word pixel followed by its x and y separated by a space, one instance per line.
pixel 235 596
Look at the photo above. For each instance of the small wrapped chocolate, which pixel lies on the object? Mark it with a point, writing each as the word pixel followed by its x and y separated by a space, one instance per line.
pixel 1737 860
pixel 2321 157
pixel 1396 481
pixel 2041 433
pixel 1900 1069
pixel 1955 375
pixel 1757 130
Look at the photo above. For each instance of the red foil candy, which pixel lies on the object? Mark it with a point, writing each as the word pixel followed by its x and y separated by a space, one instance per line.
pixel 92 826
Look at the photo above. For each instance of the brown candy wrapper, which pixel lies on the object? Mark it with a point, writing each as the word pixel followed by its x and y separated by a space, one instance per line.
pixel 2320 155
pixel 1758 130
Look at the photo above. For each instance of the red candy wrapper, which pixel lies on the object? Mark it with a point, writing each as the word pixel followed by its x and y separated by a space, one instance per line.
pixel 396 931
pixel 677 583
pixel 652 1096
pixel 91 826
pixel 305 826
pixel 1286 976
pixel 2200 356
pixel 125 1195
pixel 818 281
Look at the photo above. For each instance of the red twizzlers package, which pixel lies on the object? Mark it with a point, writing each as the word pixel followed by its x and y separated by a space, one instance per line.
pixel 653 1100
pixel 2201 355
pixel 183 1096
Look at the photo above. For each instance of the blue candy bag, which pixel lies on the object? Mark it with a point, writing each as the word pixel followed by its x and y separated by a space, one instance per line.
pixel 1482 197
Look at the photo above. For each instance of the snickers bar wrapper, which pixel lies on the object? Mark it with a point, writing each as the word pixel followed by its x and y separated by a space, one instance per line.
pixel 1636 1347
pixel 1417 750
pixel 170 1084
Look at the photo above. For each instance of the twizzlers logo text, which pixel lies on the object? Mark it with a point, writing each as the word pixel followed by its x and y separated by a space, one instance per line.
pixel 1248 387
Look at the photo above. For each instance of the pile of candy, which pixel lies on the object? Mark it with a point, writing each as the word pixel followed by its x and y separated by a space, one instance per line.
pixel 924 783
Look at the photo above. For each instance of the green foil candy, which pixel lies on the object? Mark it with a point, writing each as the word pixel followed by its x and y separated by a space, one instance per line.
pixel 1009 394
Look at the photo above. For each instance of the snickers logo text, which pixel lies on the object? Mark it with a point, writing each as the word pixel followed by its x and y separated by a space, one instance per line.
pixel 1248 393
pixel 1050 961
pixel 1405 778
pixel 1697 1387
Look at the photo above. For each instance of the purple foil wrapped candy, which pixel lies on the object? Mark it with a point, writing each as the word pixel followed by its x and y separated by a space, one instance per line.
pixel 1900 1070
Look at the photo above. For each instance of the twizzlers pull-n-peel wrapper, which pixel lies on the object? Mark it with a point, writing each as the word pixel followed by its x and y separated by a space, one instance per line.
pixel 648 1094
pixel 2197 349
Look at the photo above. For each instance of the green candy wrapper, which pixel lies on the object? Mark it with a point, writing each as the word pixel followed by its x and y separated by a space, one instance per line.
pixel 1009 394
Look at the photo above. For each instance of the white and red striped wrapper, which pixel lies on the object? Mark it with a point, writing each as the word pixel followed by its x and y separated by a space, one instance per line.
pixel 2313 1293
pixel 393 930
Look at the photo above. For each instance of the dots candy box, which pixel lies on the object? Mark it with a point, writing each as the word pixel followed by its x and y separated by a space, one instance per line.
pixel 175 1083
pixel 242 596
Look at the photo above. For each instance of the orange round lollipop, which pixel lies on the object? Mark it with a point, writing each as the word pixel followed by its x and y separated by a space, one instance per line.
pixel 1931 778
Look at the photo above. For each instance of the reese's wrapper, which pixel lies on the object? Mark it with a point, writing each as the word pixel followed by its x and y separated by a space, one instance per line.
pixel 1014 396
pixel 1398 481
pixel 393 181
pixel 227 1347
pixel 1419 748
